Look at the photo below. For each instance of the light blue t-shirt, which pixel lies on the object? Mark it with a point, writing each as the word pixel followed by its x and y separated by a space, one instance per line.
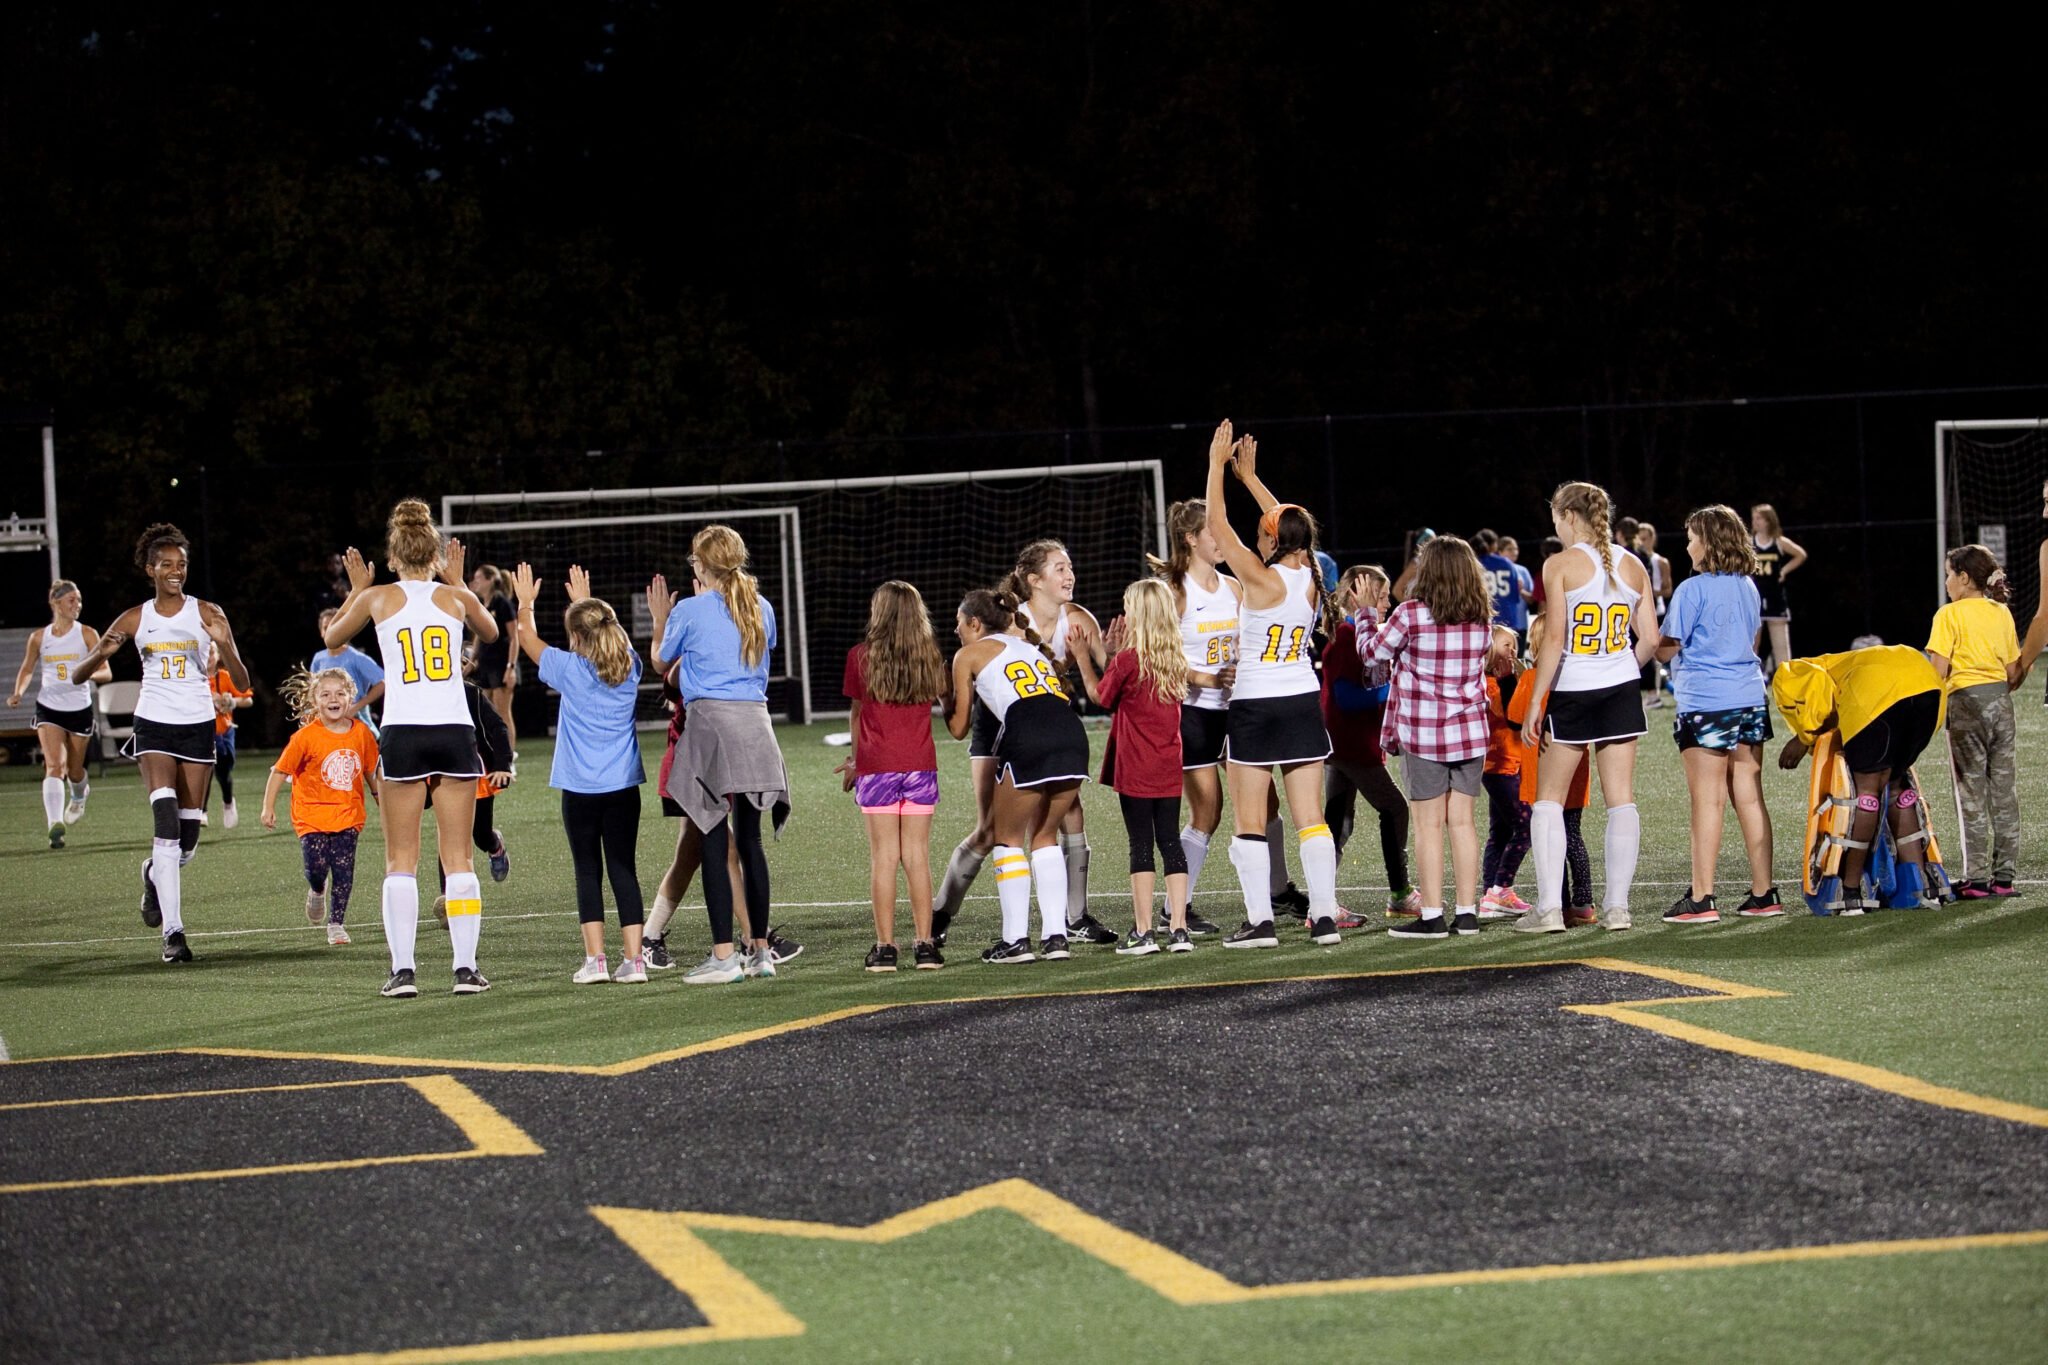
pixel 1714 617
pixel 596 747
pixel 701 636
pixel 352 661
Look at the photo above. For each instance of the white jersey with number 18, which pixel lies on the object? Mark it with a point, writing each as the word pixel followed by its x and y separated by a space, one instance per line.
pixel 422 647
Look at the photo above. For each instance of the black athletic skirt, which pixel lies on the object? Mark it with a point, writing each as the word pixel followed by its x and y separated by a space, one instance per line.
pixel 1267 731
pixel 983 728
pixel 1601 716
pixel 1202 735
pixel 414 753
pixel 77 722
pixel 187 743
pixel 1041 741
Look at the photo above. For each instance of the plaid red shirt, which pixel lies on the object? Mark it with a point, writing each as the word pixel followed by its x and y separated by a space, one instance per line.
pixel 1437 709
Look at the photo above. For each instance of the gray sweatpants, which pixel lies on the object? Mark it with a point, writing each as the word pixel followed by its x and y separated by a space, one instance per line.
pixel 1983 755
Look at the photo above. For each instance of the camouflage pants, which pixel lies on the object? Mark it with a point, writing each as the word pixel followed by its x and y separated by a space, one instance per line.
pixel 1983 755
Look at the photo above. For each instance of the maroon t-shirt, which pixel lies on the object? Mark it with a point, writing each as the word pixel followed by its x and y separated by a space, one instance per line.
pixel 1143 757
pixel 1354 735
pixel 891 736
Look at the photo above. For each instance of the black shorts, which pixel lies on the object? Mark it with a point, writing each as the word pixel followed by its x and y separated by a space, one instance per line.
pixel 414 753
pixel 982 729
pixel 1042 741
pixel 1203 733
pixel 1894 740
pixel 1604 715
pixel 187 743
pixel 1267 731
pixel 77 722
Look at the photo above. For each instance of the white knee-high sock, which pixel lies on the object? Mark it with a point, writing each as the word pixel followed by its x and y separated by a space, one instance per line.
pixel 1276 867
pixel 1013 891
pixel 465 917
pixel 401 917
pixel 1074 854
pixel 1624 839
pixel 1049 876
pixel 1319 870
pixel 1248 854
pixel 164 862
pixel 53 800
pixel 961 870
pixel 1546 846
pixel 1195 845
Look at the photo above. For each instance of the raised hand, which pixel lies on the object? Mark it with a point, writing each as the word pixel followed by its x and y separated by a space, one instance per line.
pixel 361 572
pixel 451 564
pixel 1244 457
pixel 660 601
pixel 579 583
pixel 1116 636
pixel 525 587
pixel 1220 443
pixel 216 623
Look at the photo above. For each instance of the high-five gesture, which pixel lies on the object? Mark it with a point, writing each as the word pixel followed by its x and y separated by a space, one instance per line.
pixel 451 567
pixel 361 572
pixel 525 587
pixel 1244 458
pixel 579 583
pixel 1220 444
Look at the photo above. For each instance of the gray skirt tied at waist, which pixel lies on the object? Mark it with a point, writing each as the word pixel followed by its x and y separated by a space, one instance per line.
pixel 728 749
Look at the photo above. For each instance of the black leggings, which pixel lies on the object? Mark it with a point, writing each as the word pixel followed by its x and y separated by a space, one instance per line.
pixel 1346 781
pixel 480 832
pixel 604 830
pixel 1149 820
pixel 745 822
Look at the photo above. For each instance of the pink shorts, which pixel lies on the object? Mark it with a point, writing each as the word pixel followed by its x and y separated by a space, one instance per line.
pixel 897 793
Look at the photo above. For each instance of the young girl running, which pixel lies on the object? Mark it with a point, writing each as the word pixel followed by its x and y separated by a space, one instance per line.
pixel 1145 687
pixel 63 704
pixel 1275 709
pixel 329 762
pixel 892 679
pixel 597 763
pixel 1354 708
pixel 429 741
pixel 1041 755
pixel 1438 642
pixel 173 740
pixel 1723 721
pixel 1585 694
pixel 227 699
pixel 728 769
pixel 1976 650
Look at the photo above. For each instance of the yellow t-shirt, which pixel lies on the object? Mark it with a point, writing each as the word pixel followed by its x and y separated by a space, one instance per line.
pixel 1977 637
pixel 1854 688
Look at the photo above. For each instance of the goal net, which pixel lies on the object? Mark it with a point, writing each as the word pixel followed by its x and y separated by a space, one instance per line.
pixel 1988 481
pixel 821 547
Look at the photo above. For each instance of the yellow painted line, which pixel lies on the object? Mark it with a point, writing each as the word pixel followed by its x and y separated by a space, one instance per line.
pixel 199 1094
pixel 593 1343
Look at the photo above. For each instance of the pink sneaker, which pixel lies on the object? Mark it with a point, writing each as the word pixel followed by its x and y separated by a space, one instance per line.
pixel 1346 920
pixel 1509 900
pixel 1491 906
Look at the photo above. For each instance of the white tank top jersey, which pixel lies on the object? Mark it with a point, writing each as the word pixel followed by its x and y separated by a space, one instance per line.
pixel 1021 671
pixel 173 650
pixel 1599 649
pixel 422 648
pixel 1208 636
pixel 1273 645
pixel 1062 627
pixel 60 655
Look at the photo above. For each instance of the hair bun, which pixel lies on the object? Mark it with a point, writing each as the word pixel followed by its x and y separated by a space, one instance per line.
pixel 411 512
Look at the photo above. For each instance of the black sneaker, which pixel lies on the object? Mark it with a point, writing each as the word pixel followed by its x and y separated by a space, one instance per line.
pixel 1054 949
pixel 1004 954
pixel 1323 930
pixel 881 958
pixel 1249 935
pixel 152 912
pixel 1179 942
pixel 1139 943
pixel 1200 927
pixel 1761 907
pixel 1291 900
pixel 401 985
pixel 1089 929
pixel 1686 910
pixel 1433 927
pixel 655 951
pixel 470 981
pixel 1465 925
pixel 782 947
pixel 942 920
pixel 1852 905
pixel 174 947
pixel 924 955
pixel 57 835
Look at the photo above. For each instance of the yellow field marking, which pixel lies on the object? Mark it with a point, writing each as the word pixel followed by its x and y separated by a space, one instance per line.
pixel 488 1132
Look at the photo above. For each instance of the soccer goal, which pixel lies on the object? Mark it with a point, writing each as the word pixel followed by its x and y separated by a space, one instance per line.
pixel 1988 477
pixel 820 547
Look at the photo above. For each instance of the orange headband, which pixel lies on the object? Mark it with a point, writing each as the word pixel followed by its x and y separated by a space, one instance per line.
pixel 1269 524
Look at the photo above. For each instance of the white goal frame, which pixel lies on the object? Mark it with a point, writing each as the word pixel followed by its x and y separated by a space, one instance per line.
pixel 1941 435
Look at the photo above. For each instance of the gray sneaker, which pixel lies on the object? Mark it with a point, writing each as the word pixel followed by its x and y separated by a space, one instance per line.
pixel 1616 917
pixel 760 962
pixel 715 970
pixel 1549 921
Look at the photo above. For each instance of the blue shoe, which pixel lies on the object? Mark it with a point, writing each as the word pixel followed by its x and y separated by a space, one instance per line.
pixel 501 861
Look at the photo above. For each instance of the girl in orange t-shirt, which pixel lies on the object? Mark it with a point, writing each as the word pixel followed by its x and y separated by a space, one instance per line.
pixel 329 762
pixel 1578 863
pixel 227 699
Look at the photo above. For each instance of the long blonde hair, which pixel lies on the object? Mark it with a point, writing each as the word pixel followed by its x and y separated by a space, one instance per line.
pixel 1589 502
pixel 411 540
pixel 904 663
pixel 1155 638
pixel 720 557
pixel 297 692
pixel 595 633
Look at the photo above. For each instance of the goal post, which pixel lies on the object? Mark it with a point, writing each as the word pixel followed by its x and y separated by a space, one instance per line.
pixel 1988 476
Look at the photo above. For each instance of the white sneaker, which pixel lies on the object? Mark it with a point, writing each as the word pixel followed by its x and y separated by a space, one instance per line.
pixel 229 816
pixel 336 935
pixel 760 962
pixel 1616 917
pixel 632 972
pixel 715 970
pixel 593 971
pixel 316 906
pixel 1540 922
pixel 74 812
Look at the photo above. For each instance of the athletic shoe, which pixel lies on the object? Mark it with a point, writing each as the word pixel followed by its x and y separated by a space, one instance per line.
pixel 441 910
pixel 1179 942
pixel 1249 935
pixel 1346 920
pixel 1490 903
pixel 1433 927
pixel 632 971
pixel 336 936
pixel 74 812
pixel 1510 900
pixel 1003 954
pixel 942 920
pixel 2004 888
pixel 784 948
pixel 1465 925
pixel 174 947
pixel 715 970
pixel 1291 900
pixel 1534 921
pixel 1089 929
pixel 1407 905
pixel 1054 949
pixel 1686 910
pixel 1851 905
pixel 1616 918
pixel 501 860
pixel 229 816
pixel 655 952
pixel 1578 916
pixel 1322 931
pixel 881 958
pixel 152 912
pixel 401 986
pixel 470 981
pixel 1138 944
pixel 1965 891
pixel 595 971
pixel 57 835
pixel 1761 907
pixel 924 955
pixel 316 907
pixel 1200 927
pixel 760 962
